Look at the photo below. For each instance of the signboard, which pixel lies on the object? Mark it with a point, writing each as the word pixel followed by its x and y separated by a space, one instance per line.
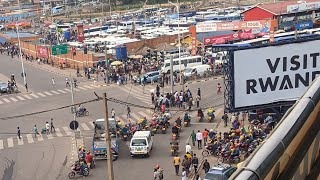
pixel 192 30
pixel 304 25
pixel 232 26
pixel 303 7
pixel 42 51
pixel 59 49
pixel 80 33
pixel 226 37
pixel 274 73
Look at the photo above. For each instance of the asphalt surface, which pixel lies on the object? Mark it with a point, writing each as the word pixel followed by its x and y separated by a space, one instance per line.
pixel 48 156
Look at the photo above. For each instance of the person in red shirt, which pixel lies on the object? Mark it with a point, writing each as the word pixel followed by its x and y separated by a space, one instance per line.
pixel 89 159
pixel 205 136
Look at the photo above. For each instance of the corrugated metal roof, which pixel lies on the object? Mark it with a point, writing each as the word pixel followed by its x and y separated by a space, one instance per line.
pixel 201 36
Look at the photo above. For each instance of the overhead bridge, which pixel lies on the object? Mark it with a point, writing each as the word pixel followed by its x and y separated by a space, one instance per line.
pixel 292 149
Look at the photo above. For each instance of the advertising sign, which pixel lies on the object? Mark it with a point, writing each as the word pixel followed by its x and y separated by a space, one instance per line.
pixel 275 73
pixel 42 51
pixel 59 49
pixel 233 26
pixel 80 33
pixel 192 30
pixel 226 37
pixel 304 25
pixel 303 7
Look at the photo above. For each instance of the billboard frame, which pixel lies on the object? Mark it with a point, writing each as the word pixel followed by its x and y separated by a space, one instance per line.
pixel 228 76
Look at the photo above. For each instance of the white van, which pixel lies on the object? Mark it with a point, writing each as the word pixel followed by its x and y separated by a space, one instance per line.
pixel 141 143
pixel 200 69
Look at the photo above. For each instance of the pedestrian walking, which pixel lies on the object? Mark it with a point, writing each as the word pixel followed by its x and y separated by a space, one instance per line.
pixel 193 138
pixel 113 113
pixel 176 163
pixel 225 119
pixel 205 136
pixel 67 82
pixel 186 162
pixel 199 139
pixel 128 111
pixel 47 128
pixel 219 89
pixel 53 83
pixel 35 130
pixel 26 86
pixel 184 174
pixel 18 132
pixel 206 166
pixel 199 92
pixel 52 126
pixel 195 163
pixel 188 148
pixel 198 101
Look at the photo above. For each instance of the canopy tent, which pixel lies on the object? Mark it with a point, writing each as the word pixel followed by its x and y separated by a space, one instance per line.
pixel 116 63
pixel 20 24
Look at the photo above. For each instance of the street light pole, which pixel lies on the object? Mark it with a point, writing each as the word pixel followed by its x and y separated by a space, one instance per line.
pixel 110 8
pixel 20 55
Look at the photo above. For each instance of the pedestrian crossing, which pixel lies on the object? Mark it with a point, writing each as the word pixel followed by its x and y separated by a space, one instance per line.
pixel 137 91
pixel 38 95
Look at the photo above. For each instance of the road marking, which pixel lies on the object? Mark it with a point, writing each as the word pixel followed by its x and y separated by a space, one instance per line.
pixel 14 99
pixel 20 98
pixel 144 115
pixel 40 138
pixel 89 87
pixel 1 102
pixel 54 92
pixel 1 144
pixel 93 85
pixel 20 141
pixel 61 91
pixel 10 142
pixel 58 132
pixel 85 127
pixel 28 97
pixel 75 89
pixel 135 116
pixel 47 93
pixel 67 130
pixel 91 123
pixel 42 95
pixel 49 136
pixel 6 100
pixel 30 138
pixel 218 111
pixel 66 89
pixel 34 95
pixel 82 88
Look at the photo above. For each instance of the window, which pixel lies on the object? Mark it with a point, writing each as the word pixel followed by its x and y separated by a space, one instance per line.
pixel 138 142
pixel 167 64
pixel 176 63
pixel 230 171
pixel 198 59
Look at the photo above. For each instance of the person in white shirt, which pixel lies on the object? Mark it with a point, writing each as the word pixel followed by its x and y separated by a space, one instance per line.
pixel 113 113
pixel 53 83
pixel 199 139
pixel 47 128
pixel 184 174
pixel 188 148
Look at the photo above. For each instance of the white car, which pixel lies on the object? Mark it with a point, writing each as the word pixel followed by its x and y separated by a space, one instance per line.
pixel 2 27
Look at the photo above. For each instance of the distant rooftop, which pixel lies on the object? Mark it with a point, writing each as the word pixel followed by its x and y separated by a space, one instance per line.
pixel 21 34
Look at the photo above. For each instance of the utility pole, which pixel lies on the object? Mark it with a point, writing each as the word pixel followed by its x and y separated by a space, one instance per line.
pixel 108 140
pixel 110 8
pixel 107 62
pixel 74 109
pixel 171 73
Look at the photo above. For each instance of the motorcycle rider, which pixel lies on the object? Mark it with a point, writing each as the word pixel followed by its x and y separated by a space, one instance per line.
pixel 211 134
pixel 89 159
pixel 200 113
pixel 175 130
pixel 124 130
pixel 186 117
pixel 81 109
pixel 178 121
pixel 82 166
pixel 158 173
pixel 153 123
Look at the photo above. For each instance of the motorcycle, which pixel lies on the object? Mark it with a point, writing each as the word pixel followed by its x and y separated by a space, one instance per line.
pixel 186 123
pixel 74 172
pixel 174 150
pixel 174 136
pixel 125 136
pixel 164 129
pixel 154 130
pixel 211 116
pixel 234 160
pixel 179 127
pixel 82 113
pixel 210 150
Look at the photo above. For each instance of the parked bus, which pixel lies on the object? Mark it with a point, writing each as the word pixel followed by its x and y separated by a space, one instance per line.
pixel 186 62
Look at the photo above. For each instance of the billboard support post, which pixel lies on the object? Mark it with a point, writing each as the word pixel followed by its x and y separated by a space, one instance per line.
pixel 228 82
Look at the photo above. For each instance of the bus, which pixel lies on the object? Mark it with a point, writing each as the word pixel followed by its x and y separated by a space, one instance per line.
pixel 186 62
pixel 94 31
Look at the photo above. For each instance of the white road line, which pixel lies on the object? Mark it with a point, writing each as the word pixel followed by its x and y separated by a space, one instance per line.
pixel 20 141
pixel 1 144
pixel 89 87
pixel 61 91
pixel 49 136
pixel 85 127
pixel 10 142
pixel 42 95
pixel 75 89
pixel 67 130
pixel 91 123
pixel 14 99
pixel 93 85
pixel 40 138
pixel 47 93
pixel 28 97
pixel 135 116
pixel 58 132
pixel 34 95
pixel 54 92
pixel 82 88
pixel 1 102
pixel 20 98
pixel 144 115
pixel 124 118
pixel 6 100
pixel 67 89
pixel 30 138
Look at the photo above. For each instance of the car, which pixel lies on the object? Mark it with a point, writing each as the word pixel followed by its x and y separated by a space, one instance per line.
pixel 151 76
pixel 220 172
pixel 3 87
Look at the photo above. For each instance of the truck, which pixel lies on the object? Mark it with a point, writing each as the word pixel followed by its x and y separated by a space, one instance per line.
pixel 99 145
